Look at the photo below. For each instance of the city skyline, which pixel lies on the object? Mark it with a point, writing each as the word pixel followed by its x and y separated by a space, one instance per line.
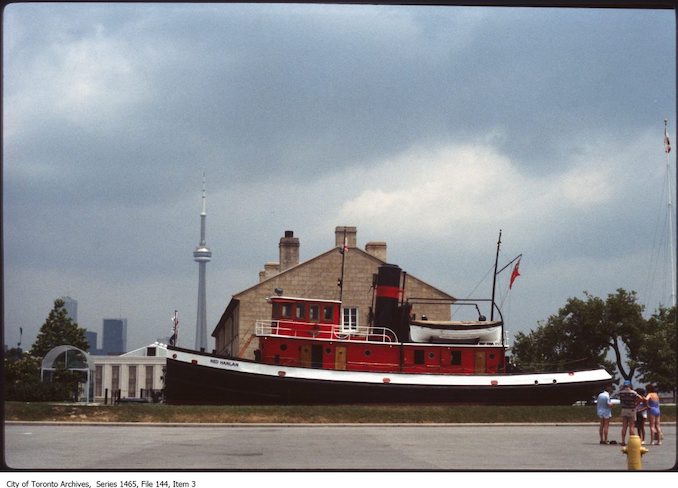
pixel 429 128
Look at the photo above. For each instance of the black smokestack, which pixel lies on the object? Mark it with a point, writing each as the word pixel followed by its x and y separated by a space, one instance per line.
pixel 387 311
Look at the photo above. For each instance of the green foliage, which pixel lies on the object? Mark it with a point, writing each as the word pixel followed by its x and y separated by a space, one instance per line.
pixel 570 340
pixel 582 333
pixel 58 330
pixel 291 414
pixel 22 382
pixel 658 353
pixel 22 379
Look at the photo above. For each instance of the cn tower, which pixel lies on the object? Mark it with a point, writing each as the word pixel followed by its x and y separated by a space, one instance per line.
pixel 202 255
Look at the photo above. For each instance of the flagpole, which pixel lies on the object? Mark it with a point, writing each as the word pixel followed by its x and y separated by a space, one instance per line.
pixel 667 151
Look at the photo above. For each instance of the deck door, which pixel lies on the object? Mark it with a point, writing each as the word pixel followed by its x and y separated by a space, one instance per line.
pixel 481 363
pixel 316 356
pixel 340 358
pixel 305 356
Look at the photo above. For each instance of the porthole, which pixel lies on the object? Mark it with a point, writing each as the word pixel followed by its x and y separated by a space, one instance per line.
pixel 283 347
pixel 368 352
pixel 431 355
pixel 328 350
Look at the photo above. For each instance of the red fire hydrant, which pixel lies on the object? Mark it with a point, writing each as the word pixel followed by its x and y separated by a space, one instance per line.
pixel 634 452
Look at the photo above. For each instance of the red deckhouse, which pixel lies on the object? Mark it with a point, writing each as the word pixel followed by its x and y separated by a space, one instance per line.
pixel 308 333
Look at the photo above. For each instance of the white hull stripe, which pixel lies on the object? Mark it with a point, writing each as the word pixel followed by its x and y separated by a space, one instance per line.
pixel 415 379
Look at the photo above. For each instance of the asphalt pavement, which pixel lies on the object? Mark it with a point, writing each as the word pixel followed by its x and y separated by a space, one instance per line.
pixel 236 447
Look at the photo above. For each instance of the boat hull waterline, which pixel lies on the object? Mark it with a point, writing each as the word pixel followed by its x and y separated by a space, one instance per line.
pixel 201 378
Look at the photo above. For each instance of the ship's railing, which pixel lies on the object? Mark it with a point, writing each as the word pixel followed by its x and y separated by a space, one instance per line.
pixel 286 328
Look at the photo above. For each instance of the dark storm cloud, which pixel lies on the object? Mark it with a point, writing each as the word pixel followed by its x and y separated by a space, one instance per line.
pixel 303 116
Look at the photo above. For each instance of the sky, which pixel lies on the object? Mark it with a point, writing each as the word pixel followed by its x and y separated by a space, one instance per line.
pixel 429 128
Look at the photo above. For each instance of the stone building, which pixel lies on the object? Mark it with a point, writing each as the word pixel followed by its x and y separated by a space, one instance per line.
pixel 318 278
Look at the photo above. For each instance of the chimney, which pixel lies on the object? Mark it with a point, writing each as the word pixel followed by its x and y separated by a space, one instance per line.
pixel 376 249
pixel 350 233
pixel 270 269
pixel 289 251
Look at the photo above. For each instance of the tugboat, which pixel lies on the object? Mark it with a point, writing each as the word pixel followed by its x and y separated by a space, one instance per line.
pixel 306 355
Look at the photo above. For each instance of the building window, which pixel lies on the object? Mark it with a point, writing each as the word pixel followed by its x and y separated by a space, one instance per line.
pixel 99 380
pixel 132 384
pixel 349 319
pixel 115 378
pixel 149 377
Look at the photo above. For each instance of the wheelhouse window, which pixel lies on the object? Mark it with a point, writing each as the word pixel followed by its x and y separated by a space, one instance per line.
pixel 299 311
pixel 349 319
pixel 286 310
pixel 327 313
pixel 314 313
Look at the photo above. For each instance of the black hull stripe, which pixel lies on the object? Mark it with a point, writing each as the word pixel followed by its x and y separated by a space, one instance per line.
pixel 195 384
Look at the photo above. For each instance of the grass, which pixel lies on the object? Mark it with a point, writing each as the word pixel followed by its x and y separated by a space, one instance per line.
pixel 352 414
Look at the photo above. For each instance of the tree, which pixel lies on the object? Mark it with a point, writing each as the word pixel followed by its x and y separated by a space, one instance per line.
pixel 583 332
pixel 59 329
pixel 22 382
pixel 657 356
pixel 22 371
pixel 565 341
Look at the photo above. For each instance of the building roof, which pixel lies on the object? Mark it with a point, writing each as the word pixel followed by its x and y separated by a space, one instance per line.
pixel 295 269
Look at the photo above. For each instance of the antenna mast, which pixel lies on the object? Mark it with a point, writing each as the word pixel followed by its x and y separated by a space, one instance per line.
pixel 667 150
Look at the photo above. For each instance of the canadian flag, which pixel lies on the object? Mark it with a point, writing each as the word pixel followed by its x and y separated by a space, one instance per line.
pixel 514 274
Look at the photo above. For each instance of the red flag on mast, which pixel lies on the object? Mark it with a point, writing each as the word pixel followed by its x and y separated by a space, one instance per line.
pixel 667 141
pixel 514 274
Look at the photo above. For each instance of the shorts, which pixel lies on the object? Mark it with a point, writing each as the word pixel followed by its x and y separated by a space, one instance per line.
pixel 628 412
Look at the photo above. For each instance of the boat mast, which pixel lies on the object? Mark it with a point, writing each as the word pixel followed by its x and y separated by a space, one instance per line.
pixel 343 252
pixel 494 279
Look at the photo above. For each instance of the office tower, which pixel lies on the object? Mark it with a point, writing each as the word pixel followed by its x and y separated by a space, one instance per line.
pixel 92 341
pixel 115 337
pixel 71 307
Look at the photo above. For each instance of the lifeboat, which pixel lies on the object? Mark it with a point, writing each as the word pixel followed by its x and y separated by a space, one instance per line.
pixel 460 332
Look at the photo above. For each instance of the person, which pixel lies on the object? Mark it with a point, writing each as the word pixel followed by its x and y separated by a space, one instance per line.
pixel 629 399
pixel 654 415
pixel 604 411
pixel 641 415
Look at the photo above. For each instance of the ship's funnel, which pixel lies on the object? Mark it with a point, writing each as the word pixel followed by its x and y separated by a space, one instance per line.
pixel 387 312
